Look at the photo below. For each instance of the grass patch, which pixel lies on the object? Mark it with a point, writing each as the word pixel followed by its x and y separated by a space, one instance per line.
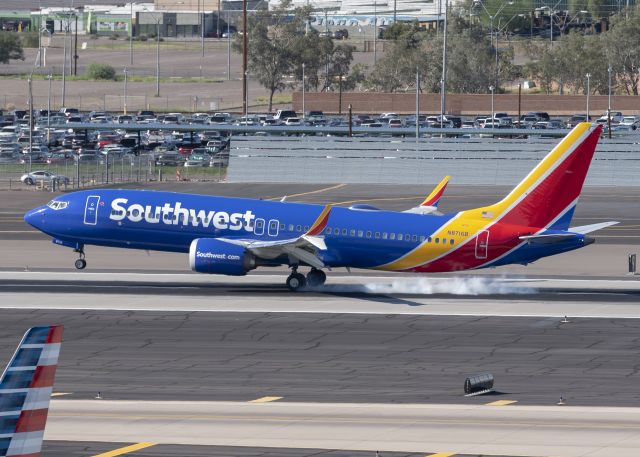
pixel 134 78
pixel 277 99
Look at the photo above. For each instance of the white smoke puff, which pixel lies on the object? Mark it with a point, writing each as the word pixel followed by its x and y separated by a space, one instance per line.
pixel 429 286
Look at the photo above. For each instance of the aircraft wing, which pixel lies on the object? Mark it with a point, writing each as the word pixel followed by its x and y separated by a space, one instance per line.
pixel 430 204
pixel 302 248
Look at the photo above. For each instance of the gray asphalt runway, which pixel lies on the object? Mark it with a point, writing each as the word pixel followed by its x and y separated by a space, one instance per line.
pixel 596 204
pixel 83 449
pixel 337 357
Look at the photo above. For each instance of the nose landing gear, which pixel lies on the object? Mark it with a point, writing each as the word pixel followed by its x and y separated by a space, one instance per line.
pixel 81 263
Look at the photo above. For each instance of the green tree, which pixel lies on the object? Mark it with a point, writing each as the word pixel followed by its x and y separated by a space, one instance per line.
pixel 622 44
pixel 277 46
pixel 10 47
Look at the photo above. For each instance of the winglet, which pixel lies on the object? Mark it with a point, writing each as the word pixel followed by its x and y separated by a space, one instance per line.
pixel 320 223
pixel 25 389
pixel 434 196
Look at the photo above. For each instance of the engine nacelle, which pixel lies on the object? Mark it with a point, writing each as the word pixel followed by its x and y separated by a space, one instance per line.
pixel 208 255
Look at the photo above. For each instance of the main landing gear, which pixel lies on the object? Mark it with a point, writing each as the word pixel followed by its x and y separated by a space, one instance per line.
pixel 80 263
pixel 296 281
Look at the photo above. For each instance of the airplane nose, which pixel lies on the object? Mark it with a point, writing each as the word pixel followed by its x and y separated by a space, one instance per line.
pixel 35 217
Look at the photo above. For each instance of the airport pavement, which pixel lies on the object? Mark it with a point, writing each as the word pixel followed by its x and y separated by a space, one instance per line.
pixel 336 357
pixel 504 429
pixel 84 449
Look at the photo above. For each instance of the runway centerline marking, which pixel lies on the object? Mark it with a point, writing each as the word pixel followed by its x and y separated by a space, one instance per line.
pixel 441 454
pixel 501 403
pixel 60 394
pixel 265 399
pixel 125 450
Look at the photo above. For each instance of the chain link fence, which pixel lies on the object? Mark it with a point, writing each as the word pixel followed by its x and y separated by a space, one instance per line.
pixel 98 172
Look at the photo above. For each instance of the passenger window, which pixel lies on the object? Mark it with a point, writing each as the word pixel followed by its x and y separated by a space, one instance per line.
pixel 392 236
pixel 421 239
pixel 291 227
pixel 344 232
pixel 283 226
pixel 437 240
pixel 399 236
pixel 368 234
pixel 328 231
pixel 451 242
pixel 306 228
pixel 429 240
pixel 299 228
pixel 407 237
pixel 352 232
pixel 384 235
pixel 414 238
pixel 444 241
pixel 377 235
pixel 360 233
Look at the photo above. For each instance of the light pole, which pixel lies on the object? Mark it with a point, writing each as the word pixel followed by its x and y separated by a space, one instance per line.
pixel 64 63
pixel 417 103
pixel 202 18
pixel 609 70
pixel 491 18
pixel 228 49
pixel 303 90
pixel 491 88
pixel 375 32
pixel 49 77
pixel 443 85
pixel 588 75
pixel 125 91
pixel 158 57
pixel 131 34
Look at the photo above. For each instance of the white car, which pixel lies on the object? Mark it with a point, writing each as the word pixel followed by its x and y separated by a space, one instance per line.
pixel 632 122
pixel 41 175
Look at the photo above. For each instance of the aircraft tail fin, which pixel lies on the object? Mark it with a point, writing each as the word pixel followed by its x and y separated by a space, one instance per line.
pixel 434 197
pixel 25 392
pixel 547 196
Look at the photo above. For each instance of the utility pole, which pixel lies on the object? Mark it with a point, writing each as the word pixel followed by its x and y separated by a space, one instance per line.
pixel 417 104
pixel 131 34
pixel 443 86
pixel 244 56
pixel 158 57
pixel 75 50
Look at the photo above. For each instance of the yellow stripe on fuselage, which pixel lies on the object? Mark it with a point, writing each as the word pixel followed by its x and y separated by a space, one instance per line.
pixel 472 221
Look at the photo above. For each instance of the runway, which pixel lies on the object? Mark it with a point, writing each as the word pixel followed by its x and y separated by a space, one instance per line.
pixel 488 430
pixel 372 361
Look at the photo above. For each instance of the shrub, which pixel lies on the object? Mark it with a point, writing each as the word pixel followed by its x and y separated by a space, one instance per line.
pixel 114 36
pixel 29 39
pixel 101 71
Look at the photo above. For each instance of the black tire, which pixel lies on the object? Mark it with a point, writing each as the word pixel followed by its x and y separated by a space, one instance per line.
pixel 81 264
pixel 316 278
pixel 28 182
pixel 296 282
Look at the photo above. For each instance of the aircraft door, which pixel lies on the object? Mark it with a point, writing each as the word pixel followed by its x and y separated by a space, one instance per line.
pixel 274 226
pixel 259 228
pixel 482 245
pixel 91 210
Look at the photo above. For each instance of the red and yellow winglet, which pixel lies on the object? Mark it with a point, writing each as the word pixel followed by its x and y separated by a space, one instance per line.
pixel 434 196
pixel 320 223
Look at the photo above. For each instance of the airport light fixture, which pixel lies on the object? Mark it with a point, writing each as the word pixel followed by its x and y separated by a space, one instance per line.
pixel 491 18
pixel 492 89
pixel 303 90
pixel 588 75
pixel 131 34
pixel 125 91
pixel 157 19
pixel 609 70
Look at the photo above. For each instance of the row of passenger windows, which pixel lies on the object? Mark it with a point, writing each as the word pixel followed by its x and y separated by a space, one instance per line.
pixel 386 235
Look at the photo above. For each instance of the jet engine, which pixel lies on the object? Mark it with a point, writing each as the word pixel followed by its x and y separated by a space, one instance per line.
pixel 208 255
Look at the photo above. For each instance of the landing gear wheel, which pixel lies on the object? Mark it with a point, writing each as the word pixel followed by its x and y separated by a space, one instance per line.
pixel 296 281
pixel 80 264
pixel 316 278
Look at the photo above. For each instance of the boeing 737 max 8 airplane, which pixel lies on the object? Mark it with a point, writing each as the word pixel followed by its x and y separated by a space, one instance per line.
pixel 232 236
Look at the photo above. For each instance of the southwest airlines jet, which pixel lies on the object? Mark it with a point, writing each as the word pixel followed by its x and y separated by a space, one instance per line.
pixel 231 236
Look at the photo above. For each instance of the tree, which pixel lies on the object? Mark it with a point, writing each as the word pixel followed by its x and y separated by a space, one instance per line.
pixel 622 44
pixel 101 71
pixel 279 42
pixel 10 47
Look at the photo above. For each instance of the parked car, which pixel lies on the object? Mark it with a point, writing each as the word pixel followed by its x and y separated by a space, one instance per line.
pixel 197 160
pixel 632 122
pixel 170 158
pixel 616 116
pixel 44 176
pixel 340 34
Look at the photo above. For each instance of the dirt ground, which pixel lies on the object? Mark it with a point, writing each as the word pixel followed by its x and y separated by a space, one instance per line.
pixel 221 91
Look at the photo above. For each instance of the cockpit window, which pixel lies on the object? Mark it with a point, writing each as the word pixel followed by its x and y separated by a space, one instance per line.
pixel 54 204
